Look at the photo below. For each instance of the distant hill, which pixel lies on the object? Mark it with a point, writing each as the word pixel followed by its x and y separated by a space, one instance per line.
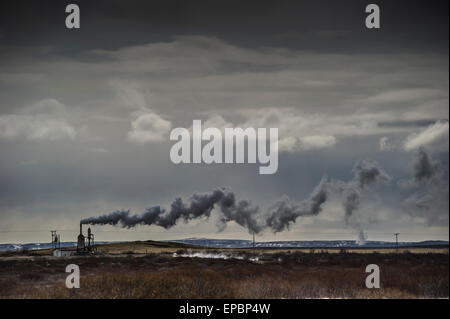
pixel 35 246
pixel 107 247
pixel 237 243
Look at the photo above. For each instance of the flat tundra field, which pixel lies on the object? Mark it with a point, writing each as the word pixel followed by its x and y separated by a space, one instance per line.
pixel 170 270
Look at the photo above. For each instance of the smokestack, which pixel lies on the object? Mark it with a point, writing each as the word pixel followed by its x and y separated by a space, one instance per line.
pixel 80 242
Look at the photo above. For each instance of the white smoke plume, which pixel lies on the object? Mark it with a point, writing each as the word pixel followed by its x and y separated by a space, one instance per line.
pixel 366 173
pixel 201 205
pixel 430 197
pixel 279 217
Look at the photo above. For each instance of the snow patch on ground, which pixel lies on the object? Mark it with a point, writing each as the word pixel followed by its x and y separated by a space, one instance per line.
pixel 213 256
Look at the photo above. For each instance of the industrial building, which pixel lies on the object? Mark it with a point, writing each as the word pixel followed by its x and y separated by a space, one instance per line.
pixel 85 244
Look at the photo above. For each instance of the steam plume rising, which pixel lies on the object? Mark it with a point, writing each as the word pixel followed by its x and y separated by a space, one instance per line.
pixel 200 205
pixel 365 174
pixel 430 197
pixel 279 217
pixel 424 168
pixel 242 212
pixel 284 212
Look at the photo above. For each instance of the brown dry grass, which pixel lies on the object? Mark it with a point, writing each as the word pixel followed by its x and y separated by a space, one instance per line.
pixel 282 275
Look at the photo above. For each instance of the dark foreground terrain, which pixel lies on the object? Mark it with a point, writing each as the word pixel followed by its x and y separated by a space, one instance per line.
pixel 287 274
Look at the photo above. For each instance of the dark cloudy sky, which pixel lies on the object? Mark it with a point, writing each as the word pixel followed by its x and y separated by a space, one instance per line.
pixel 85 114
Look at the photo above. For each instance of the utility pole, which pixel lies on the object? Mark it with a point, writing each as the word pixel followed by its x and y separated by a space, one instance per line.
pixel 396 239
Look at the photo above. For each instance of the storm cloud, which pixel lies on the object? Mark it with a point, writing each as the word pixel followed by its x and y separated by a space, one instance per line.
pixel 85 115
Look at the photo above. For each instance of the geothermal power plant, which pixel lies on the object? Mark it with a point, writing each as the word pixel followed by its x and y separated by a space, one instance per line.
pixel 85 244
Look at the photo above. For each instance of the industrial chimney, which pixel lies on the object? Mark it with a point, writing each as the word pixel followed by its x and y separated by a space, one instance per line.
pixel 80 244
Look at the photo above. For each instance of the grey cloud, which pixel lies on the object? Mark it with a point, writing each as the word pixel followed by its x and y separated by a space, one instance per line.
pixel 318 79
pixel 418 123
pixel 44 120
pixel 147 126
pixel 385 144
pixel 434 136
pixel 190 74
